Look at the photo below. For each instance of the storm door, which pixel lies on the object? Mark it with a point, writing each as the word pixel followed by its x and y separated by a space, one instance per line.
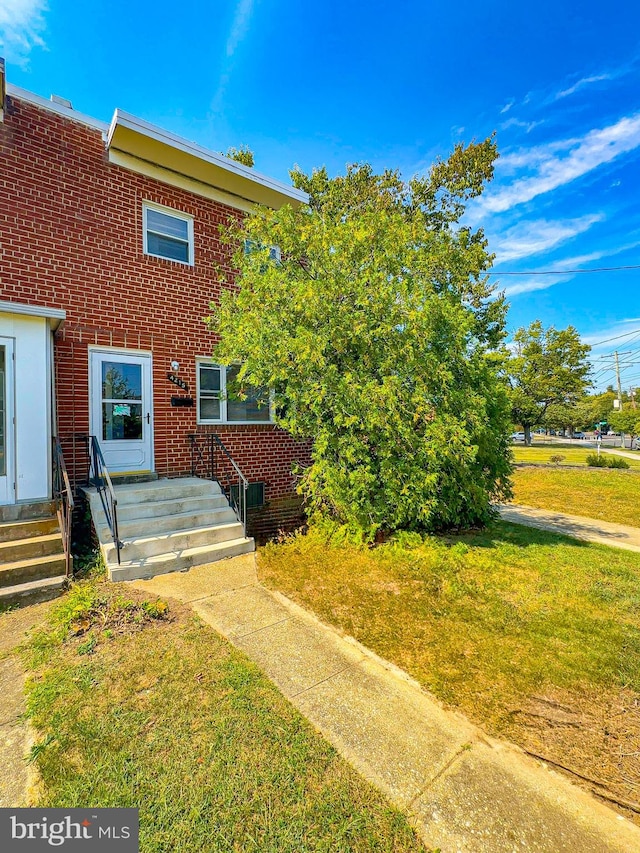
pixel 121 410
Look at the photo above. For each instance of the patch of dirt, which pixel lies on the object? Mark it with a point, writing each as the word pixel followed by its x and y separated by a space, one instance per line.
pixel 592 736
pixel 16 624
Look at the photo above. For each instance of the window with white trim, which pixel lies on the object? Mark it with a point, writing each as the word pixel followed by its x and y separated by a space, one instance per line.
pixel 220 400
pixel 167 233
pixel 274 251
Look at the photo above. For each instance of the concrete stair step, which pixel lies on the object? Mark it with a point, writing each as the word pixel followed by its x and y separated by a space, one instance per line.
pixel 170 562
pixel 160 525
pixel 34 546
pixel 168 525
pixel 24 512
pixel 25 529
pixel 150 509
pixel 174 541
pixel 31 569
pixel 177 489
pixel 33 591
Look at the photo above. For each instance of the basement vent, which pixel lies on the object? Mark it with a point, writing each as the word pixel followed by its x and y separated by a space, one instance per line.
pixel 255 495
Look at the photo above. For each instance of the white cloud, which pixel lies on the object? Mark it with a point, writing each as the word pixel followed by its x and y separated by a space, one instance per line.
pixel 558 163
pixel 528 285
pixel 579 260
pixel 621 327
pixel 516 122
pixel 237 33
pixel 585 81
pixel 507 106
pixel 532 282
pixel 240 25
pixel 21 27
pixel 531 238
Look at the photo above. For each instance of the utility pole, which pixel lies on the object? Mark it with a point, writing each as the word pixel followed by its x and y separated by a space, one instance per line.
pixel 618 378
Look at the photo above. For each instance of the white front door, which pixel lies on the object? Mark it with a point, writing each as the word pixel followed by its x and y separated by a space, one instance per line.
pixel 7 431
pixel 121 414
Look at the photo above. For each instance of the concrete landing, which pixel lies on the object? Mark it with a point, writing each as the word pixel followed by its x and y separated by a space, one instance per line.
pixel 463 791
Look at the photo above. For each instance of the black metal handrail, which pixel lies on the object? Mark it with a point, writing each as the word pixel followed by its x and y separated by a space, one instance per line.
pixel 63 497
pixel 204 447
pixel 99 477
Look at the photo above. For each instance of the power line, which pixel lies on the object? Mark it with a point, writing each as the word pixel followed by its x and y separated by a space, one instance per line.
pixel 567 272
pixel 617 338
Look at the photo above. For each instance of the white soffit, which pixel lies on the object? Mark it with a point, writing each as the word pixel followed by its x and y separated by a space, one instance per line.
pixel 55 315
pixel 154 146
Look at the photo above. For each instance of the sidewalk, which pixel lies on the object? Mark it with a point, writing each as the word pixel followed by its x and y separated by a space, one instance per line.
pixel 615 452
pixel 463 791
pixel 15 732
pixel 578 526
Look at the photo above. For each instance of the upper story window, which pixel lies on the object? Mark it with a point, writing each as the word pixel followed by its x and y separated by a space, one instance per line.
pixel 218 401
pixel 167 233
pixel 274 251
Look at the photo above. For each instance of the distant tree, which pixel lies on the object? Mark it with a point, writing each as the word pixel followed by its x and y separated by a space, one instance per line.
pixel 377 329
pixel 547 367
pixel 243 155
pixel 563 416
pixel 626 420
pixel 600 406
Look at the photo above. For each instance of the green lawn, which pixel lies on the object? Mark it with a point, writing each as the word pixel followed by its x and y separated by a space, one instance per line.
pixel 608 495
pixel 155 710
pixel 492 623
pixel 571 455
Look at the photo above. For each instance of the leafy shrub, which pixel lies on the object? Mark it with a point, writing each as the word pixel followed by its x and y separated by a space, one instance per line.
pixel 617 462
pixel 556 459
pixel 595 461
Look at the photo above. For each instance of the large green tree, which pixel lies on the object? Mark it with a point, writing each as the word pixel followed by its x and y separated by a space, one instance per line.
pixel 376 328
pixel 626 420
pixel 548 367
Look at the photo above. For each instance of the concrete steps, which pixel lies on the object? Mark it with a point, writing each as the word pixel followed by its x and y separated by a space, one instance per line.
pixel 166 526
pixel 32 561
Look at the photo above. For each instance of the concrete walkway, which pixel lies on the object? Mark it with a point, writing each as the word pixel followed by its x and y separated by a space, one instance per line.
pixel 16 735
pixel 464 792
pixel 577 526
pixel 626 453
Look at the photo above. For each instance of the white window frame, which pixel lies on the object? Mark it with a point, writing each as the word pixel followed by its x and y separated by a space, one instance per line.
pixel 274 251
pixel 177 214
pixel 223 419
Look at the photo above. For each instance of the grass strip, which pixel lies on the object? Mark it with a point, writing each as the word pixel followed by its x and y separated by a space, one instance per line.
pixel 482 620
pixel 139 704
pixel 564 454
pixel 599 493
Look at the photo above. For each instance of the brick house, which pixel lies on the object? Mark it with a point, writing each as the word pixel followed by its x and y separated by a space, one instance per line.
pixel 109 251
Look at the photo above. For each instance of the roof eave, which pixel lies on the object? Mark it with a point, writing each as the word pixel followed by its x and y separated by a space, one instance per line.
pixel 136 137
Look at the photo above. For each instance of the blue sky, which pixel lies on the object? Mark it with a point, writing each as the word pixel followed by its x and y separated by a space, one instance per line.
pixel 395 84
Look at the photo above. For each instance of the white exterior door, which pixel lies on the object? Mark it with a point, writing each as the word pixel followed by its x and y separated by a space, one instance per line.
pixel 7 425
pixel 121 411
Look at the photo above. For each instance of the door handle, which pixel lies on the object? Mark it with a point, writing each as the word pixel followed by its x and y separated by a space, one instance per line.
pixel 148 418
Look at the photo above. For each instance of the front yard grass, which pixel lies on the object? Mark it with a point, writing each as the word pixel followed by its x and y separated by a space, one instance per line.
pixel 608 495
pixel 541 455
pixel 137 705
pixel 534 636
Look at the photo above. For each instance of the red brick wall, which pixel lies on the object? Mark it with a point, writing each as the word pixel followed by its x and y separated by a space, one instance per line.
pixel 71 237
